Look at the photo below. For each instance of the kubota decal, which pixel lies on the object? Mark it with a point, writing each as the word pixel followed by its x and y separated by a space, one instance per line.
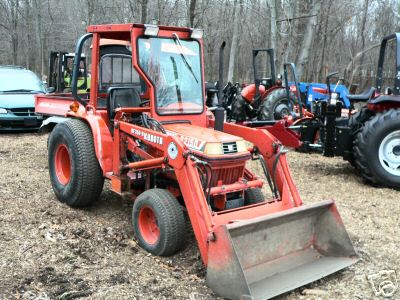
pixel 148 136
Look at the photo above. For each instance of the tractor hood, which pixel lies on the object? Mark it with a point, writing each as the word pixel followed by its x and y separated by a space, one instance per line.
pixel 207 140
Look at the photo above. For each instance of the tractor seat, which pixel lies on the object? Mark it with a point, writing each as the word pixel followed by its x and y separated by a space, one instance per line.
pixel 121 97
pixel 362 97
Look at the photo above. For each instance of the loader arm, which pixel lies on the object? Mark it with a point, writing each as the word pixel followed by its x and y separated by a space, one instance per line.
pixel 272 151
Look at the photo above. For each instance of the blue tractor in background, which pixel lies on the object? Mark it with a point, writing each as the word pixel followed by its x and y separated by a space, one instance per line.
pixel 310 92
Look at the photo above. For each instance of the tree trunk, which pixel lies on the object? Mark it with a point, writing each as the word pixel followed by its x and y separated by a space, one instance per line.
pixel 38 34
pixel 232 55
pixel 14 30
pixel 192 10
pixel 143 14
pixel 272 5
pixel 308 39
pixel 364 20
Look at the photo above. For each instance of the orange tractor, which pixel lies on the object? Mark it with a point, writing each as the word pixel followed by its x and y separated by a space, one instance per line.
pixel 155 139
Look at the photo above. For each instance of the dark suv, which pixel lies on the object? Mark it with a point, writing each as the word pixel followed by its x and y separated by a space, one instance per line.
pixel 17 103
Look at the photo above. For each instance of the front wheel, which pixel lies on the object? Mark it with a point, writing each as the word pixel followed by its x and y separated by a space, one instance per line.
pixel 159 222
pixel 377 149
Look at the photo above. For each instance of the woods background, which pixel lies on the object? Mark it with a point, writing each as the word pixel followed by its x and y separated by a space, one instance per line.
pixel 320 36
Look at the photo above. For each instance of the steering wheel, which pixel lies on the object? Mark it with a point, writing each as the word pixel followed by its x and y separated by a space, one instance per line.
pixel 143 103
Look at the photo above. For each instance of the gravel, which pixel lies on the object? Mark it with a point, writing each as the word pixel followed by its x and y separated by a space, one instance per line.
pixel 50 251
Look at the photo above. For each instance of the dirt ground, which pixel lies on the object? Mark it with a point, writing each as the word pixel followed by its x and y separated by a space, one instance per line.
pixel 50 251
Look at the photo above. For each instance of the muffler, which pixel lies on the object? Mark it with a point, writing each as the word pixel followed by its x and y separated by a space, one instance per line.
pixel 263 257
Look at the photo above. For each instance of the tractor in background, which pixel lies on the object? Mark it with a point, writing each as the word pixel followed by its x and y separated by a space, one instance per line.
pixel 265 99
pixel 60 72
pixel 311 92
pixel 152 137
pixel 370 138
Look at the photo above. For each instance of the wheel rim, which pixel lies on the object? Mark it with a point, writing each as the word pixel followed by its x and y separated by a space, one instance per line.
pixel 389 153
pixel 148 226
pixel 281 110
pixel 62 164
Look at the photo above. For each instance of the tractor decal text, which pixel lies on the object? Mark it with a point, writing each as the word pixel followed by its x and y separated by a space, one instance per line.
pixel 148 136
pixel 191 142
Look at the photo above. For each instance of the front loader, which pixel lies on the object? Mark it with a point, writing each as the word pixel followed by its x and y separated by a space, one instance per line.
pixel 161 146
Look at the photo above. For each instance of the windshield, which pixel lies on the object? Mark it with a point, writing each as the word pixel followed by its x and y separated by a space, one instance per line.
pixel 174 67
pixel 20 81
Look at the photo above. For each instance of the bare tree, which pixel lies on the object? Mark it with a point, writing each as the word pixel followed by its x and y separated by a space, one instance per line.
pixel 192 12
pixel 306 45
pixel 11 10
pixel 362 31
pixel 317 34
pixel 234 44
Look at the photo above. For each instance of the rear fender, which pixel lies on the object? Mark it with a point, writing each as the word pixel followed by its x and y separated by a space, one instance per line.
pixel 102 138
pixel 49 123
pixel 384 102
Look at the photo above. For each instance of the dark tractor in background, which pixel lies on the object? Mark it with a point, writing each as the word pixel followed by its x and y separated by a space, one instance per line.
pixel 368 139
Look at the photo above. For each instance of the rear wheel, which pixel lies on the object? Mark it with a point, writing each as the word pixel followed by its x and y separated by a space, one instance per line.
pixel 377 149
pixel 253 196
pixel 159 222
pixel 75 173
pixel 276 105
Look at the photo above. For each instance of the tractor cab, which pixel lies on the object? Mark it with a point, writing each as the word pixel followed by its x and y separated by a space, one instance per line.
pixel 265 80
pixel 164 76
pixel 386 93
pixel 160 86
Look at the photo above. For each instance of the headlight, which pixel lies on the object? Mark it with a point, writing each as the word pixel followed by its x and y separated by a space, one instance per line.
pixel 3 111
pixel 213 149
pixel 241 146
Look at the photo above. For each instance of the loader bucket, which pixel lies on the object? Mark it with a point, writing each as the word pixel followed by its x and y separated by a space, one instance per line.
pixel 264 257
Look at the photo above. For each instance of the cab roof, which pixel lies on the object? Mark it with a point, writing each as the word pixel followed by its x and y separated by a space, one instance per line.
pixel 129 26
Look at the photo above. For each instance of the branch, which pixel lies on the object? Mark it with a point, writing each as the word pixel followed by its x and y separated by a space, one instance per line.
pixel 361 53
pixel 4 26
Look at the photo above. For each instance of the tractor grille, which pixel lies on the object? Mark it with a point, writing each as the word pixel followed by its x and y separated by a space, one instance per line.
pixel 227 175
pixel 229 148
pixel 23 112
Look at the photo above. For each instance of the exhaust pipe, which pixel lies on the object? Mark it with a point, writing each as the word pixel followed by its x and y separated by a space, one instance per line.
pixel 267 256
pixel 219 112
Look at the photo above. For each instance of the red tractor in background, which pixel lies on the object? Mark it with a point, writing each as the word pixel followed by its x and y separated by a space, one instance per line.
pixel 154 139
pixel 265 99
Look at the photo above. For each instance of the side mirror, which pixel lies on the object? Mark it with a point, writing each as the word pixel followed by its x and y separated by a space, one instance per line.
pixel 50 90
